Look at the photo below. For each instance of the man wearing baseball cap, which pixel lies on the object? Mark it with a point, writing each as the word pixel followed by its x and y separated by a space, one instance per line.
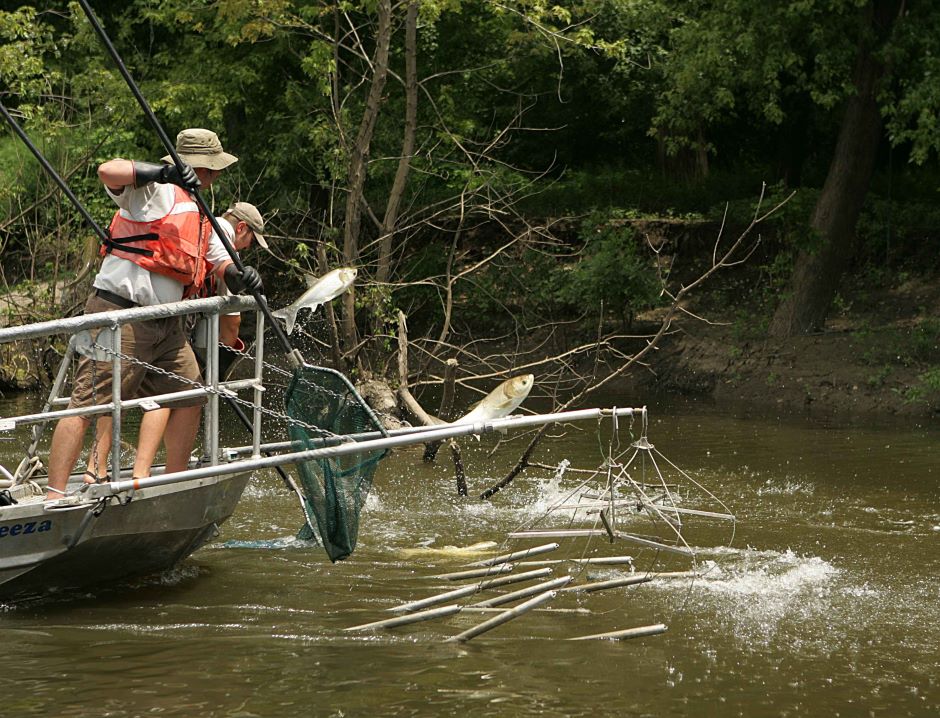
pixel 247 214
pixel 158 252
pixel 243 224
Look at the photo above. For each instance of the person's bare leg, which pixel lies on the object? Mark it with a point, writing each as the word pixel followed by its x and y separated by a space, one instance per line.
pixel 67 440
pixel 180 436
pixel 152 429
pixel 98 456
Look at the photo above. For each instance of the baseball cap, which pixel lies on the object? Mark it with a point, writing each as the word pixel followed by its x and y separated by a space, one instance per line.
pixel 249 214
pixel 202 148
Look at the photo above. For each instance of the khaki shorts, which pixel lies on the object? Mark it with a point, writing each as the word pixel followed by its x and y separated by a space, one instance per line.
pixel 158 342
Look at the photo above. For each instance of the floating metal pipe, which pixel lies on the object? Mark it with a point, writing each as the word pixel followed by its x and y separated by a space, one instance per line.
pixel 690 512
pixel 588 533
pixel 653 630
pixel 555 583
pixel 503 617
pixel 515 578
pixel 608 561
pixel 505 558
pixel 612 583
pixel 410 618
pixel 437 598
pixel 477 572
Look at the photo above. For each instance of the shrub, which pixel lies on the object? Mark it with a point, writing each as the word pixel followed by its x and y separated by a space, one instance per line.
pixel 614 271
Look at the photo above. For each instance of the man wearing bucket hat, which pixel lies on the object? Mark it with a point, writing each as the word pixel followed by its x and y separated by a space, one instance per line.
pixel 242 224
pixel 159 251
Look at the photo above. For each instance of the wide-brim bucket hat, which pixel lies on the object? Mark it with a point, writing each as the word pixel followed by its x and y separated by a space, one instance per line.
pixel 201 148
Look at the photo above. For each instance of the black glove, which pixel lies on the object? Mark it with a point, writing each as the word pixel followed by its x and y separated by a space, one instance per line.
pixel 146 172
pixel 243 282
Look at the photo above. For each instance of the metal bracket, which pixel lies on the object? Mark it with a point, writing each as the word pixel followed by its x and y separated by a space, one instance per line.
pixel 86 345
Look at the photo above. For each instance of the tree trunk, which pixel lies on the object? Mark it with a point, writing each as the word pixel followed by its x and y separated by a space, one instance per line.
pixel 816 274
pixel 408 144
pixel 359 160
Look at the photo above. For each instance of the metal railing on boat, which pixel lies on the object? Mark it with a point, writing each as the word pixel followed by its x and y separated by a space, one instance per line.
pixel 414 435
pixel 98 336
pixel 249 457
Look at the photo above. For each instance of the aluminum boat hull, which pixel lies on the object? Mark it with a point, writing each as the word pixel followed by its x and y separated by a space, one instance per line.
pixel 45 550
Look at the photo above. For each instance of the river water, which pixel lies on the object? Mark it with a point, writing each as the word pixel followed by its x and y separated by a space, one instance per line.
pixel 826 601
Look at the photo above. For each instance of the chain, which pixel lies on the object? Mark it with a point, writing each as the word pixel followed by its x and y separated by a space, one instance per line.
pixel 222 393
pixel 283 372
pixel 93 459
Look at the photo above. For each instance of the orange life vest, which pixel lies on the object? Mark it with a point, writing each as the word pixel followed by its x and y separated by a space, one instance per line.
pixel 174 245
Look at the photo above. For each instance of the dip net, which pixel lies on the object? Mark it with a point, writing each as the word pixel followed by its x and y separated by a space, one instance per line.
pixel 326 410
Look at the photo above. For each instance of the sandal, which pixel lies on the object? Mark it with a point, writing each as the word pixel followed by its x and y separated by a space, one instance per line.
pixel 93 478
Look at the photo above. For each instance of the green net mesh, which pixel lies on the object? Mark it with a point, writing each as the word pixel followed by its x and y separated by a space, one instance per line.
pixel 335 488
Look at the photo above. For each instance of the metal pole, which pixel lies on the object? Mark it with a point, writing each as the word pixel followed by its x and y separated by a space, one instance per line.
pixel 97 320
pixel 351 447
pixel 640 632
pixel 555 583
pixel 296 359
pixel 517 421
pixel 409 618
pixel 116 401
pixel 516 555
pixel 258 392
pixel 501 618
pixel 39 428
pixel 212 369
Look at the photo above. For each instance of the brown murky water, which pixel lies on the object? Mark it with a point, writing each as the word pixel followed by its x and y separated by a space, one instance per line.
pixel 826 602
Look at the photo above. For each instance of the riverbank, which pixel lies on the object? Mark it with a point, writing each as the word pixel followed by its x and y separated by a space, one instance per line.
pixel 877 356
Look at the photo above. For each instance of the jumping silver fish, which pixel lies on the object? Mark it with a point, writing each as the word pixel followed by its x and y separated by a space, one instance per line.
pixel 502 401
pixel 323 290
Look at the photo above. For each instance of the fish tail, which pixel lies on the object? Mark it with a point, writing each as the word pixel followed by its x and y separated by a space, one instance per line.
pixel 289 315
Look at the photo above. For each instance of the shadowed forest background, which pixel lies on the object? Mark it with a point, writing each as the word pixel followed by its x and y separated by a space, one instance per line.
pixel 539 178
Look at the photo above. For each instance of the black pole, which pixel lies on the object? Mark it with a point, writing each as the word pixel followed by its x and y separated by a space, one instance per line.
pixel 293 354
pixel 102 234
pixel 246 423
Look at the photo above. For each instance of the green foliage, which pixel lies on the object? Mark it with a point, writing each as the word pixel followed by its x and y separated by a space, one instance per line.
pixel 926 390
pixel 603 271
pixel 911 104
pixel 541 109
pixel 614 272
pixel 880 376
pixel 917 345
pixel 25 43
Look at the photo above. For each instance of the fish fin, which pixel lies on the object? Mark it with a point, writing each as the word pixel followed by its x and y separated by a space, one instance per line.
pixel 289 315
pixel 310 280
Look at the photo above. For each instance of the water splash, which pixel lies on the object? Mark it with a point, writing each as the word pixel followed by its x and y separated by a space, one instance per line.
pixel 759 594
pixel 269 544
pixel 786 487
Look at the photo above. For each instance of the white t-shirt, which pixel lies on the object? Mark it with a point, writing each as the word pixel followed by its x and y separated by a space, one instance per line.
pixel 126 279
pixel 221 289
pixel 229 230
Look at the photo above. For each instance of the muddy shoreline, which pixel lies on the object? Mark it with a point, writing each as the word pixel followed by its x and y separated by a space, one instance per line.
pixel 876 360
